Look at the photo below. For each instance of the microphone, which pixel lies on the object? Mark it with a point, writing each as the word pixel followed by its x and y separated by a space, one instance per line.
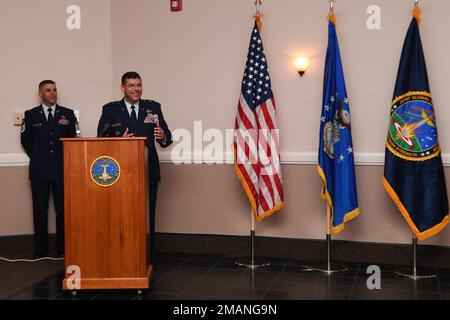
pixel 104 130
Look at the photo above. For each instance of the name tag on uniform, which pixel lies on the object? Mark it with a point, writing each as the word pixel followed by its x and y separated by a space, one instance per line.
pixel 114 125
pixel 34 125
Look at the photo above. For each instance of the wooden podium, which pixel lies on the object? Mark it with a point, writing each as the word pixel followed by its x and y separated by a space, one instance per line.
pixel 106 209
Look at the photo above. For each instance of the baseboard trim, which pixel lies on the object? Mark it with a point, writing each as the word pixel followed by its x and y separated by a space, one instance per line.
pixel 301 249
pixel 304 249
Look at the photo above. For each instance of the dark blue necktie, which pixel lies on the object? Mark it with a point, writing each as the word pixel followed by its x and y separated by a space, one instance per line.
pixel 133 119
pixel 50 115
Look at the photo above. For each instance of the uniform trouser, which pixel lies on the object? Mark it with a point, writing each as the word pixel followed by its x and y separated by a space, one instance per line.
pixel 153 189
pixel 40 191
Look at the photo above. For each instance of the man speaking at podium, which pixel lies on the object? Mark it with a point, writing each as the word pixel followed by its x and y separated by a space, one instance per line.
pixel 130 117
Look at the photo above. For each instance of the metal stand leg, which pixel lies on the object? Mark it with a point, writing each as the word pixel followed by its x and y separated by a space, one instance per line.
pixel 414 273
pixel 325 267
pixel 252 262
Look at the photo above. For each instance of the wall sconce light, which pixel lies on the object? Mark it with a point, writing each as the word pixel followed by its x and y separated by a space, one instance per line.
pixel 301 64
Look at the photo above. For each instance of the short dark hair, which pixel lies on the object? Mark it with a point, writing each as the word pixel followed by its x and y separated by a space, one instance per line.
pixel 44 82
pixel 130 75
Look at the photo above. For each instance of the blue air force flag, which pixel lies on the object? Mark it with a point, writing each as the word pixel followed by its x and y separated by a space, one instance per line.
pixel 336 162
pixel 413 172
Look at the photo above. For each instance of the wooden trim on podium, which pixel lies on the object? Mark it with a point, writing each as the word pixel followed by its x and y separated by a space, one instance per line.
pixel 104 139
pixel 112 283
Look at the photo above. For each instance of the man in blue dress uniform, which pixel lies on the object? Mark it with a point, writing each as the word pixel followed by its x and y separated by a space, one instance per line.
pixel 42 128
pixel 133 116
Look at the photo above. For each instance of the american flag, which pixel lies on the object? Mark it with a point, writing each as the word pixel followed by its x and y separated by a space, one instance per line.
pixel 256 148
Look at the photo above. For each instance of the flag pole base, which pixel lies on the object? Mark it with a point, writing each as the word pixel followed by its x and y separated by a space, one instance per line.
pixel 252 262
pixel 410 273
pixel 327 267
pixel 414 273
pixel 248 263
pixel 324 267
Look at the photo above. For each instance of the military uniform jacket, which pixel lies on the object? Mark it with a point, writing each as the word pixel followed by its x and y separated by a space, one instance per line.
pixel 115 120
pixel 40 139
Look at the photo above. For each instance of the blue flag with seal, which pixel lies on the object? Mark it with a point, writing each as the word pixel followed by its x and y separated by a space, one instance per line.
pixel 413 172
pixel 336 158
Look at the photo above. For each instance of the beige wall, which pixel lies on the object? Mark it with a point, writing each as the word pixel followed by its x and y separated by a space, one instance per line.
pixel 36 45
pixel 192 62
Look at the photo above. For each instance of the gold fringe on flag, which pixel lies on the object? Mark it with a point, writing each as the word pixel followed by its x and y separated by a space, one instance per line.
pixel 417 14
pixel 258 20
pixel 258 14
pixel 332 18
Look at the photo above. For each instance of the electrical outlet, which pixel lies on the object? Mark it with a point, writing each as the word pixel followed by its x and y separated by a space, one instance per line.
pixel 18 118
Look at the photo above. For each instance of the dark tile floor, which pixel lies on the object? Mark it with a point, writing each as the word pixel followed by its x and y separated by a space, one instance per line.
pixel 207 277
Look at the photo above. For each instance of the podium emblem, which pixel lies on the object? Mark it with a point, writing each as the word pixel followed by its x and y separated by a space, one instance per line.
pixel 105 171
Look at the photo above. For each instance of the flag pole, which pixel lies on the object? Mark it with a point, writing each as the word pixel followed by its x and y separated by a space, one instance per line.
pixel 328 267
pixel 328 237
pixel 252 235
pixel 252 262
pixel 414 273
